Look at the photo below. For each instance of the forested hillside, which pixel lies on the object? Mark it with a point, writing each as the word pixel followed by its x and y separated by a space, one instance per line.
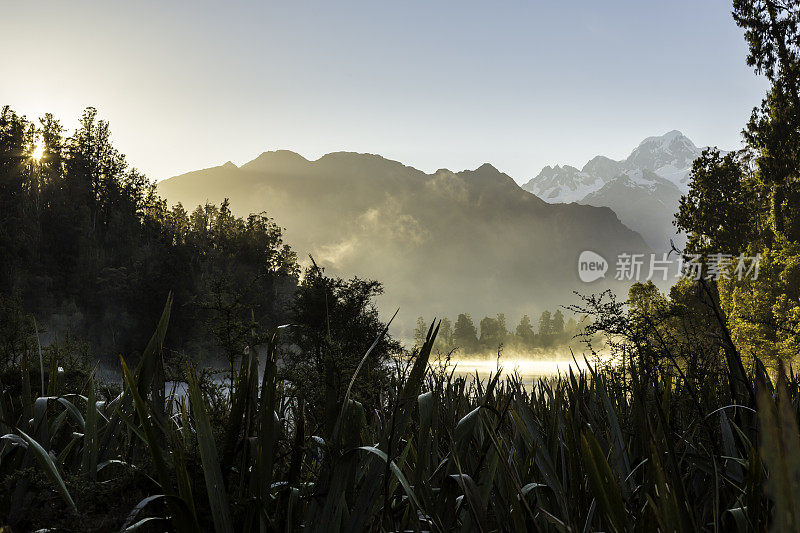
pixel 88 246
pixel 442 243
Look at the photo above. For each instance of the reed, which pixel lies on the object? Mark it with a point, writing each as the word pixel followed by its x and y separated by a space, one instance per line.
pixel 635 447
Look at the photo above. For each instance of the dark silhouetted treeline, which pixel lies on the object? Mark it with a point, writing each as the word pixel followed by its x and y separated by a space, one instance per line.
pixel 88 246
pixel 492 333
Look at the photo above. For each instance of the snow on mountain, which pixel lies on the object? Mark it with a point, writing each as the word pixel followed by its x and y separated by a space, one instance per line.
pixel 654 175
pixel 603 167
pixel 668 156
pixel 565 184
pixel 645 203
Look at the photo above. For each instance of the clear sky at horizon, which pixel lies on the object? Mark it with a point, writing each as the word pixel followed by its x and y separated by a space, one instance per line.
pixel 189 85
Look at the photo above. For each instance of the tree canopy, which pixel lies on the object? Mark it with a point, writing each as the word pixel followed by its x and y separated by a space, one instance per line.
pixel 89 247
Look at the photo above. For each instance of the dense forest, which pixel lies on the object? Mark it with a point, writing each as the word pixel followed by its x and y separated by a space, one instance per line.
pixel 326 423
pixel 89 248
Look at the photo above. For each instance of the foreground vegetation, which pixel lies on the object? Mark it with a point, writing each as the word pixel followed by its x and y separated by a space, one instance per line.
pixel 643 446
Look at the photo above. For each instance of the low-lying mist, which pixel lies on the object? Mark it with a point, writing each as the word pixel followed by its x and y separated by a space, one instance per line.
pixel 527 364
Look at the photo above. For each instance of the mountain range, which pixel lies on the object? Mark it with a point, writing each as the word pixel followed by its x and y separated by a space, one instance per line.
pixel 442 243
pixel 643 190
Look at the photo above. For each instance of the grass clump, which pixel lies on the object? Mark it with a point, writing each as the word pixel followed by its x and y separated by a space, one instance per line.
pixel 644 444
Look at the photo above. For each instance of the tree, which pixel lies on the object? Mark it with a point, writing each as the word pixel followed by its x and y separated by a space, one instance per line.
pixel 94 168
pixel 571 328
pixel 420 332
pixel 336 322
pixel 771 31
pixel 524 332
pixel 749 202
pixel 545 336
pixel 11 189
pixel 444 340
pixel 465 335
pixel 17 335
pixel 719 213
pixel 645 298
pixel 545 324
pixel 492 332
pixel 557 323
pixel 87 245
pixel 229 323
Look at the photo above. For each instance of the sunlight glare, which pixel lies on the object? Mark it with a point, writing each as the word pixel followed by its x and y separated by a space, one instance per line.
pixel 38 152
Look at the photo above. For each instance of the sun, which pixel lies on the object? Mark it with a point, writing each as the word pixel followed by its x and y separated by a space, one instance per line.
pixel 38 152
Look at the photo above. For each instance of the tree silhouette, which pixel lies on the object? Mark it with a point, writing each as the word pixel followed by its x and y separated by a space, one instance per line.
pixel 465 335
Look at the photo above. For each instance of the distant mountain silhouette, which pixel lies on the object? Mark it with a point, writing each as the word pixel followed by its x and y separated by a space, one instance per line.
pixel 443 243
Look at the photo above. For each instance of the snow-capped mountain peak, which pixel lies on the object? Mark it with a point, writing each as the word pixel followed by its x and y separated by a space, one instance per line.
pixel 666 139
pixel 668 156
pixel 565 184
pixel 648 183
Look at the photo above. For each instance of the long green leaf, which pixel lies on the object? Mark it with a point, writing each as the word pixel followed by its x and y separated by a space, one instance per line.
pixel 215 485
pixel 49 468
pixel 90 438
pixel 180 519
pixel 604 486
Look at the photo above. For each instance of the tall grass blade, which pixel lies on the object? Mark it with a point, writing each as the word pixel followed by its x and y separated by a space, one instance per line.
pixel 215 486
pixel 182 520
pixel 90 438
pixel 49 468
pixel 603 484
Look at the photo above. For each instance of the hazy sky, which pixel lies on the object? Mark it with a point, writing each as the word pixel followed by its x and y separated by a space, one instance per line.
pixel 188 85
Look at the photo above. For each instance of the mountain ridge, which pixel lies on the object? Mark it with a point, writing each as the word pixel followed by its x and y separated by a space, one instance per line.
pixel 446 242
